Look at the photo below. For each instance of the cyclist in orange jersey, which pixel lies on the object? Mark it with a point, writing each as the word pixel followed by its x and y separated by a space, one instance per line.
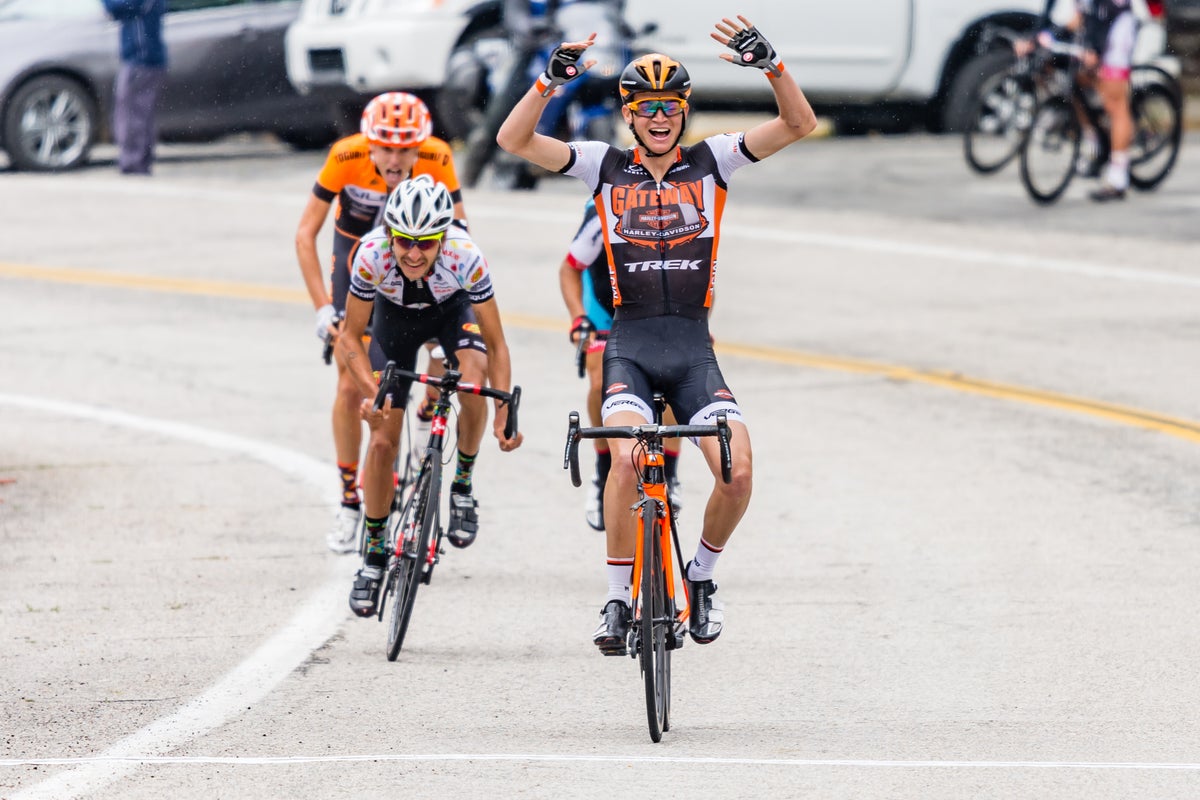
pixel 394 143
pixel 661 203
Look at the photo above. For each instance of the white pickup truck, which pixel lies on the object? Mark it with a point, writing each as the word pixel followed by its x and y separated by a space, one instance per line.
pixel 846 54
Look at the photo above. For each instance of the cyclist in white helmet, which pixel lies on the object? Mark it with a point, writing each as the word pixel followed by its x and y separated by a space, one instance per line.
pixel 395 142
pixel 422 278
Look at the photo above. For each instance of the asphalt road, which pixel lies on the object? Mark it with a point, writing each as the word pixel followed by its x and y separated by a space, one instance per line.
pixel 968 569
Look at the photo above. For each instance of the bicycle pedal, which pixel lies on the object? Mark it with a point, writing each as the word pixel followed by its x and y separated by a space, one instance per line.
pixel 678 637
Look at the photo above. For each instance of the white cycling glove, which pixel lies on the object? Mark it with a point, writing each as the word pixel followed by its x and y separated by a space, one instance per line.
pixel 326 316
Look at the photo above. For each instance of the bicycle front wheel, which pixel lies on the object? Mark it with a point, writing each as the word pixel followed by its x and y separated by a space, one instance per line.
pixel 1050 151
pixel 656 623
pixel 414 532
pixel 1157 130
pixel 999 121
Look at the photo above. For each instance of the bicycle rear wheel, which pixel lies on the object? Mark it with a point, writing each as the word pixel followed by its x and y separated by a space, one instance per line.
pixel 1050 151
pixel 999 121
pixel 1157 130
pixel 414 531
pixel 656 624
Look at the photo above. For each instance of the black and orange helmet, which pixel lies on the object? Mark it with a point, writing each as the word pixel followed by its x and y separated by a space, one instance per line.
pixel 654 72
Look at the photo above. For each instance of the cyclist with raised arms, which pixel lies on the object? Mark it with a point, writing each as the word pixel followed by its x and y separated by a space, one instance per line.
pixel 393 144
pixel 1109 32
pixel 583 278
pixel 660 206
pixel 417 278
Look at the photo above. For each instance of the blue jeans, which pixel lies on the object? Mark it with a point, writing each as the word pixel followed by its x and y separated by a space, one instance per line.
pixel 134 126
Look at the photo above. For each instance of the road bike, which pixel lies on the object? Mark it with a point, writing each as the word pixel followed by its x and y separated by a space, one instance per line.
pixel 1002 111
pixel 414 534
pixel 1028 111
pixel 1050 154
pixel 659 620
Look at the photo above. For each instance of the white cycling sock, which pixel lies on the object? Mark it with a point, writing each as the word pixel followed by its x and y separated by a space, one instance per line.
pixel 620 578
pixel 704 562
pixel 1117 171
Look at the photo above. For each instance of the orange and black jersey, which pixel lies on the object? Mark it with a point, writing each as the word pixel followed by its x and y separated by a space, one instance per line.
pixel 661 238
pixel 350 177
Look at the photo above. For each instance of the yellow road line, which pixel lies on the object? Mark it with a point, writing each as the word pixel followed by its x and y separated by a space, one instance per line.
pixel 154 283
pixel 1125 415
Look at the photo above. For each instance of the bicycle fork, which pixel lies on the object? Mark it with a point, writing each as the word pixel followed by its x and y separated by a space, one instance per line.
pixel 654 492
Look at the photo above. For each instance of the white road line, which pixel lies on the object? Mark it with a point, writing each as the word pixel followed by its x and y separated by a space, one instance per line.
pixel 317 619
pixel 613 759
pixel 956 255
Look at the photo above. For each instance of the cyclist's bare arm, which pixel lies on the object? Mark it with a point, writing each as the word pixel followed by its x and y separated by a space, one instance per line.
pixel 310 225
pixel 487 314
pixel 796 118
pixel 795 121
pixel 570 281
pixel 518 135
pixel 350 348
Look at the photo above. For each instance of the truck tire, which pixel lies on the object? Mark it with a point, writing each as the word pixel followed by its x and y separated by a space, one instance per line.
pixel 959 102
pixel 461 101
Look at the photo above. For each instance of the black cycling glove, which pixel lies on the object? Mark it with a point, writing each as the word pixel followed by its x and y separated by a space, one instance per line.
pixel 755 51
pixel 563 67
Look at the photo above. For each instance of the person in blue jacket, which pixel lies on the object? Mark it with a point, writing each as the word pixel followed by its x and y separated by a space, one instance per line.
pixel 143 70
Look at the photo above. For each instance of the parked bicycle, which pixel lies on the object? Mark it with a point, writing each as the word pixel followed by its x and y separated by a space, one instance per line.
pixel 659 622
pixel 1003 110
pixel 1029 112
pixel 414 538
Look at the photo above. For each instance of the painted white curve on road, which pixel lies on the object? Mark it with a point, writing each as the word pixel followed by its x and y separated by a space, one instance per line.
pixel 315 621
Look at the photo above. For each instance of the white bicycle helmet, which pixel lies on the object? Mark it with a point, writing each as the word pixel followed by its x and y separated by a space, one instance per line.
pixel 419 207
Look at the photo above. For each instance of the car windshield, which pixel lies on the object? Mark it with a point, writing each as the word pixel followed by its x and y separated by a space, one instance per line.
pixel 41 9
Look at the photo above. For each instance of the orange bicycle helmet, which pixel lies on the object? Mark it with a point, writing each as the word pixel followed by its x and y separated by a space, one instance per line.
pixel 654 72
pixel 396 119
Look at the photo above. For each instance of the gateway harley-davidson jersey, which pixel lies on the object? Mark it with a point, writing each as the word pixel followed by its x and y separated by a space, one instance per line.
pixel 661 238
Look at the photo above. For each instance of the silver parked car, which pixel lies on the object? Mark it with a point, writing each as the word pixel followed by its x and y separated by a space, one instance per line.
pixel 226 73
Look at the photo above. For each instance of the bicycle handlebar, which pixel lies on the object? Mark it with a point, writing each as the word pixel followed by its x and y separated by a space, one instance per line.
pixel 449 384
pixel 644 433
pixel 585 329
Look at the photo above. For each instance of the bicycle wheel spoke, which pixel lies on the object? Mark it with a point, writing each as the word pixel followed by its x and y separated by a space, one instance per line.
pixel 655 624
pixel 1051 150
pixel 413 530
pixel 998 126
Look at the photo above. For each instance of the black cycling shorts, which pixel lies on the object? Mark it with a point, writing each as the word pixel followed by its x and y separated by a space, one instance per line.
pixel 668 354
pixel 401 332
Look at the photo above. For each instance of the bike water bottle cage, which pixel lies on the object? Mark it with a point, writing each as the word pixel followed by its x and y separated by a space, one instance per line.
pixel 649 106
pixel 563 67
pixel 755 51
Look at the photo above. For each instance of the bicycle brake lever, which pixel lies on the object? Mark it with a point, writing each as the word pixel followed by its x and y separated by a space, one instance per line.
pixel 510 426
pixel 385 383
pixel 571 456
pixel 726 455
